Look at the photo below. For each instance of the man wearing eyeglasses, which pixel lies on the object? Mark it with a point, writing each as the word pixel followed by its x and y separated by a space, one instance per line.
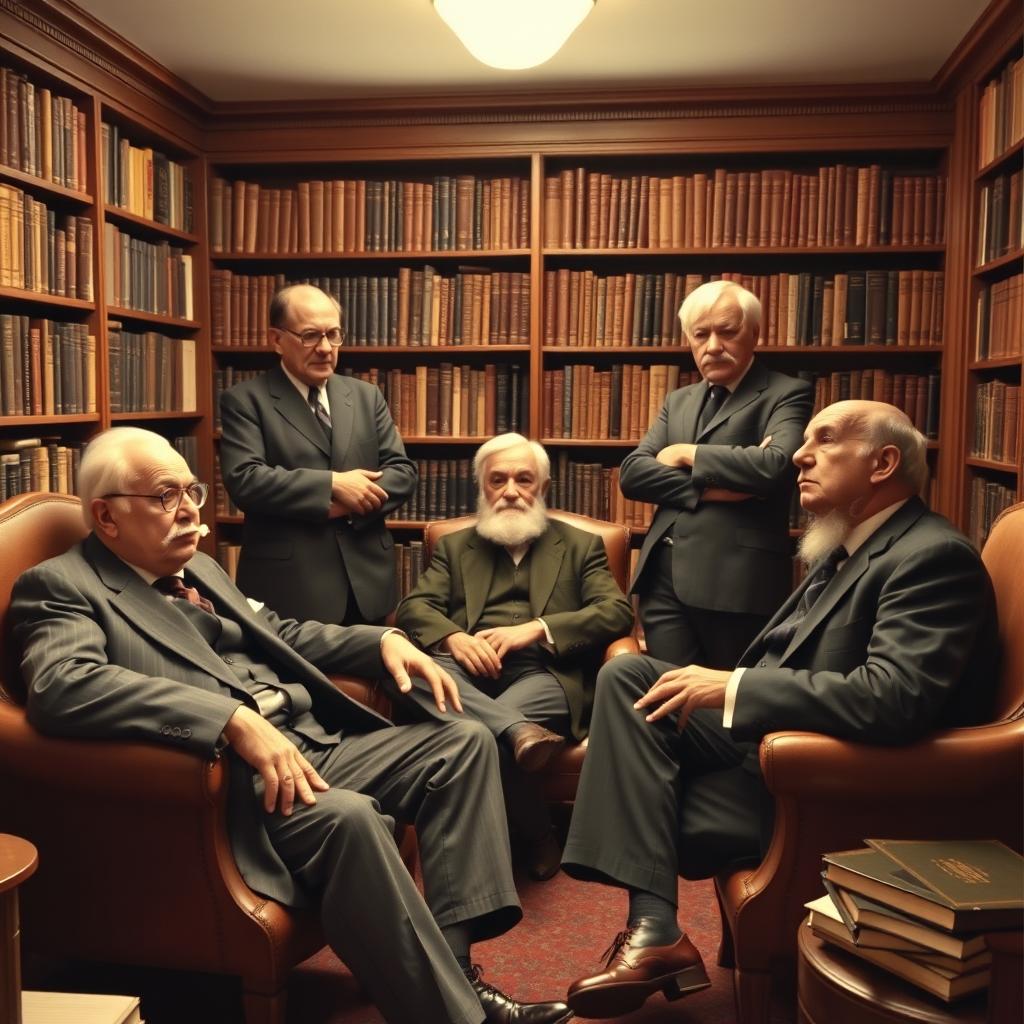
pixel 133 634
pixel 314 461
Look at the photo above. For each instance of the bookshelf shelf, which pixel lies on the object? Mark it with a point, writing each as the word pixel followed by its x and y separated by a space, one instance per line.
pixel 43 299
pixel 1001 363
pixel 592 442
pixel 999 467
pixel 431 350
pixel 128 417
pixel 1010 259
pixel 432 439
pixel 42 187
pixel 153 227
pixel 45 421
pixel 229 519
pixel 759 251
pixel 246 350
pixel 1007 160
pixel 393 254
pixel 121 313
pixel 801 350
pixel 406 524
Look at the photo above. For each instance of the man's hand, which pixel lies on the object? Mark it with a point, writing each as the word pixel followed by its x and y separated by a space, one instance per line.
pixel 285 772
pixel 684 690
pixel 677 455
pixel 506 639
pixel 356 492
pixel 403 659
pixel 475 655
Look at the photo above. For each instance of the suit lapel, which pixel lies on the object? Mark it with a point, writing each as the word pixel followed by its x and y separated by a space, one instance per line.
pixel 339 394
pixel 876 544
pixel 149 612
pixel 546 556
pixel 289 403
pixel 477 565
pixel 689 409
pixel 750 388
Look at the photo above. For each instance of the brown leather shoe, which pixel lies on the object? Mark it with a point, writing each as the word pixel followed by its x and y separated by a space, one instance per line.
pixel 634 972
pixel 544 856
pixel 533 746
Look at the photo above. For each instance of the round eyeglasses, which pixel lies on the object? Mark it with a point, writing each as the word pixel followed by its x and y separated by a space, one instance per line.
pixel 311 338
pixel 170 498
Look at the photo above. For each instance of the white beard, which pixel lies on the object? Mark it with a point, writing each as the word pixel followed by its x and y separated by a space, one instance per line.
pixel 512 525
pixel 824 535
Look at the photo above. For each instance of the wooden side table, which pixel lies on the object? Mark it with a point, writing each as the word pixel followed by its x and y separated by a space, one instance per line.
pixel 836 987
pixel 18 861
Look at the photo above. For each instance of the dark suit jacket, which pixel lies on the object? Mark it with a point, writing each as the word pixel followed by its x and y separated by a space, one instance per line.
pixel 902 641
pixel 107 657
pixel 726 556
pixel 571 586
pixel 277 468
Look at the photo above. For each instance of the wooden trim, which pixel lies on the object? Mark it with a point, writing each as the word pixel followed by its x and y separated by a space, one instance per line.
pixel 994 34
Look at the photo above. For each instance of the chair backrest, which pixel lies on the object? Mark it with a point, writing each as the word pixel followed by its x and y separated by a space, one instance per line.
pixel 615 537
pixel 33 527
pixel 1003 555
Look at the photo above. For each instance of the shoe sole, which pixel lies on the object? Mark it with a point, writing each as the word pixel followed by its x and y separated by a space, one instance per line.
pixel 538 755
pixel 614 1000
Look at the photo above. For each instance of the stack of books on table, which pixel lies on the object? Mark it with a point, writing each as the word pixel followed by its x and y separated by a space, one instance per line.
pixel 920 909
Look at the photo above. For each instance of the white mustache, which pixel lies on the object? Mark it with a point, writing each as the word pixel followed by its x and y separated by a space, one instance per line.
pixel 186 531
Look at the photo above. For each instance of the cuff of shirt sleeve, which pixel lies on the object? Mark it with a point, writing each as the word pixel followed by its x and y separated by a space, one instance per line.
pixel 549 640
pixel 389 631
pixel 731 689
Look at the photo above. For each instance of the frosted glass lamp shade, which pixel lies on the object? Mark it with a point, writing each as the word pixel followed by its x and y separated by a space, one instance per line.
pixel 513 34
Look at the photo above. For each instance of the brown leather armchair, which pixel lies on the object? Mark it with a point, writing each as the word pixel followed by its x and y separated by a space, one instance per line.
pixel 561 776
pixel 134 861
pixel 831 795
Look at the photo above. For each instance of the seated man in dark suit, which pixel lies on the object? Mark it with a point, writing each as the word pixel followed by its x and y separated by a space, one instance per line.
pixel 520 608
pixel 892 634
pixel 133 634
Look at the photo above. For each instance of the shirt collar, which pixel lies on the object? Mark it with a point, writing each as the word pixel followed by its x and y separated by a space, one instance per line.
pixel 303 389
pixel 150 578
pixel 862 532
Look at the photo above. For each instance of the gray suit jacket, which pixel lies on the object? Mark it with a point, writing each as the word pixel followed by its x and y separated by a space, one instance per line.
pixel 105 656
pixel 902 641
pixel 726 556
pixel 277 468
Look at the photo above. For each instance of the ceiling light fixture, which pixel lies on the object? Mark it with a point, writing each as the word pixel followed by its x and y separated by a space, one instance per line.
pixel 513 34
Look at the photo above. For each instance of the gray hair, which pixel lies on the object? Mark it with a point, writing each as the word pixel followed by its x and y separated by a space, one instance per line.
pixel 702 298
pixel 501 443
pixel 105 466
pixel 896 428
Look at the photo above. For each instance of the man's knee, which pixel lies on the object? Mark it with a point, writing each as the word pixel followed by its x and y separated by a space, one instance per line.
pixel 470 738
pixel 625 678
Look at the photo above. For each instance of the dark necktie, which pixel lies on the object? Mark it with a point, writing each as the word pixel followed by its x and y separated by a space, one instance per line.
pixel 323 417
pixel 777 639
pixel 717 394
pixel 174 586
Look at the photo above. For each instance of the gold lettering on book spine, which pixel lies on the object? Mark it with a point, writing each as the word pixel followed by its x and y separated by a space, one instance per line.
pixel 961 871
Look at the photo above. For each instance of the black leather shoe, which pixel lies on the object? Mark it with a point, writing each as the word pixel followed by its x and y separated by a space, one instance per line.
pixel 502 1009
pixel 533 746
pixel 543 856
pixel 636 970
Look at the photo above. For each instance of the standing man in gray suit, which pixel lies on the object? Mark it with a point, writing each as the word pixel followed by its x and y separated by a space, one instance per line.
pixel 716 560
pixel 891 634
pixel 314 461
pixel 133 634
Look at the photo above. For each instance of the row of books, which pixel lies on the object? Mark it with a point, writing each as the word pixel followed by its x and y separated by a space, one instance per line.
pixel 453 400
pixel 47 368
pixel 41 133
pixel 919 909
pixel 413 307
pixel 601 403
pixel 999 324
pixel 874 307
pixel 834 205
pixel 592 489
pixel 222 503
pixel 445 489
pixel 1001 113
pixel 996 420
pixel 144 181
pixel 150 372
pixel 457 213
pixel 150 277
pixel 41 251
pixel 917 394
pixel 1000 217
pixel 987 499
pixel 37 464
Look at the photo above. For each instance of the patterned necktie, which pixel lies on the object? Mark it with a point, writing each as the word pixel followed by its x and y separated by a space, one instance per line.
pixel 174 586
pixel 777 639
pixel 717 394
pixel 323 417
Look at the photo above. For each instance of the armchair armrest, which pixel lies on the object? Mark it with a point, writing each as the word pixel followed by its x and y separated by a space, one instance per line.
pixel 366 691
pixel 116 770
pixel 624 645
pixel 958 763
